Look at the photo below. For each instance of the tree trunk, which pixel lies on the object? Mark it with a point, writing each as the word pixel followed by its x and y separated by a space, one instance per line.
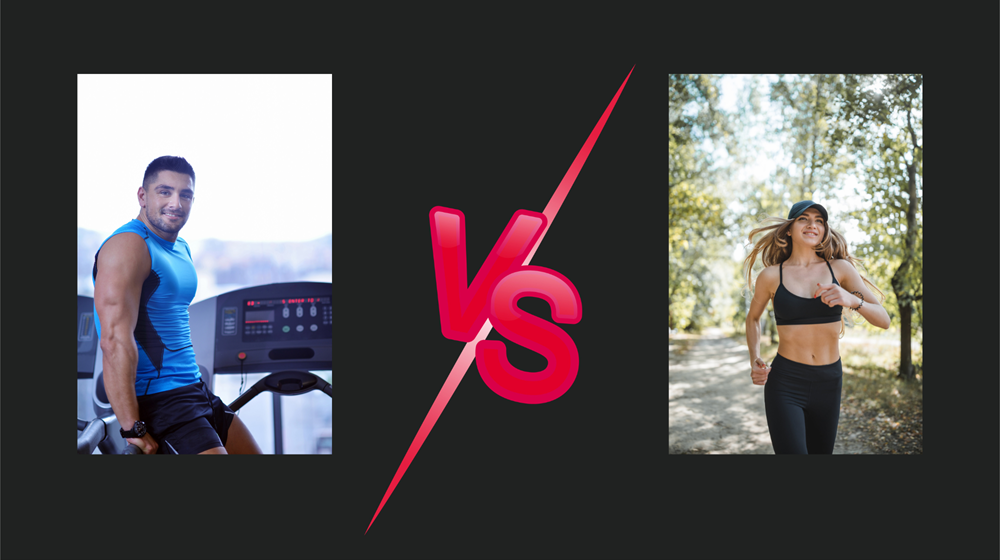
pixel 901 280
pixel 808 190
pixel 906 369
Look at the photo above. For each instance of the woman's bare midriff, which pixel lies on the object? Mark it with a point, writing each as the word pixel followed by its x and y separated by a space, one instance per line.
pixel 814 345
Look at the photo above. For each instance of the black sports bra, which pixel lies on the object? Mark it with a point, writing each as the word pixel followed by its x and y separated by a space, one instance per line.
pixel 790 309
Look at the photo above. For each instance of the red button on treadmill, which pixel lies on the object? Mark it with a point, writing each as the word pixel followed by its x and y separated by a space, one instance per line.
pixel 242 355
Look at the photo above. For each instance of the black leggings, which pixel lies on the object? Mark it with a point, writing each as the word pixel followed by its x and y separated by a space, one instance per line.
pixel 803 406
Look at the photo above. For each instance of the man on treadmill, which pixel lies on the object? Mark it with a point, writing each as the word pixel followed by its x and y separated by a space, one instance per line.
pixel 144 281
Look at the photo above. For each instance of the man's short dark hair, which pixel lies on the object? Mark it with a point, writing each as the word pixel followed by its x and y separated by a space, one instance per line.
pixel 167 163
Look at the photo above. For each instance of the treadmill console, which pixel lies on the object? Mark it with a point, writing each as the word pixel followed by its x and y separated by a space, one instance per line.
pixel 286 325
pixel 280 319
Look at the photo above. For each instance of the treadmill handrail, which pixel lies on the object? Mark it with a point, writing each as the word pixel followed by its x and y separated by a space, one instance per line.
pixel 272 383
pixel 94 433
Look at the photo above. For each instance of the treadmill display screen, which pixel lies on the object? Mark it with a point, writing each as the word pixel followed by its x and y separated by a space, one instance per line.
pixel 259 316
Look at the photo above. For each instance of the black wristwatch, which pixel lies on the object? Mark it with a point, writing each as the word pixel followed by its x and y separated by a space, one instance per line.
pixel 138 430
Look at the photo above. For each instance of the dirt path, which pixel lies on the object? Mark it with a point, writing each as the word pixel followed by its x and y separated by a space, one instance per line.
pixel 715 409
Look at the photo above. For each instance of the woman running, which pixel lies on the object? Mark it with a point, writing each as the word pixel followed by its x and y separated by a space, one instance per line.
pixel 811 295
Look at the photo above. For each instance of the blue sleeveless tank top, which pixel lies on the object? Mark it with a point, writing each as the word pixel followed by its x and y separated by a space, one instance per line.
pixel 790 309
pixel 162 331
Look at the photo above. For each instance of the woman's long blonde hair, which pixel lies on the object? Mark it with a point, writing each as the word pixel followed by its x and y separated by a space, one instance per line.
pixel 774 248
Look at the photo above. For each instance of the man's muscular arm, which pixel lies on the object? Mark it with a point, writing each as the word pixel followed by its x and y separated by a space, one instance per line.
pixel 122 266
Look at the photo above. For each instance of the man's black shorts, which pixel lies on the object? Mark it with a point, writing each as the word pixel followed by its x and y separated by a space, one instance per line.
pixel 186 420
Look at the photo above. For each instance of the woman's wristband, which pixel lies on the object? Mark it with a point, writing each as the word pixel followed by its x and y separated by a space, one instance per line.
pixel 860 304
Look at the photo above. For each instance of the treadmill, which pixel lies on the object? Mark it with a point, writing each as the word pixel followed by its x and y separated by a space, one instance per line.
pixel 285 328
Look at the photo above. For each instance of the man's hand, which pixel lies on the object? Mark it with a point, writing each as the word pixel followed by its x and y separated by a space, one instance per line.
pixel 758 371
pixel 146 443
pixel 832 295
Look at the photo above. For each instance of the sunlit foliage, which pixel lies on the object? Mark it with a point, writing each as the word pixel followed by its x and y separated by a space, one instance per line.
pixel 696 229
pixel 881 119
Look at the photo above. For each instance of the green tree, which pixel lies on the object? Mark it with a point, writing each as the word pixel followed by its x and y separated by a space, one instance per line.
pixel 696 228
pixel 884 131
pixel 817 159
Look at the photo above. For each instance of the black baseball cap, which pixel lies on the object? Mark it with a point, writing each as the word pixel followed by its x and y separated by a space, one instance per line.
pixel 799 207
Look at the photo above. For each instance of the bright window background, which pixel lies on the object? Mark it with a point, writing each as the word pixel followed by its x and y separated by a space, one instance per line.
pixel 261 147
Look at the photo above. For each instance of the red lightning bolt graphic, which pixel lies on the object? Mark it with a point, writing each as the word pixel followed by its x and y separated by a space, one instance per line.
pixel 469 352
